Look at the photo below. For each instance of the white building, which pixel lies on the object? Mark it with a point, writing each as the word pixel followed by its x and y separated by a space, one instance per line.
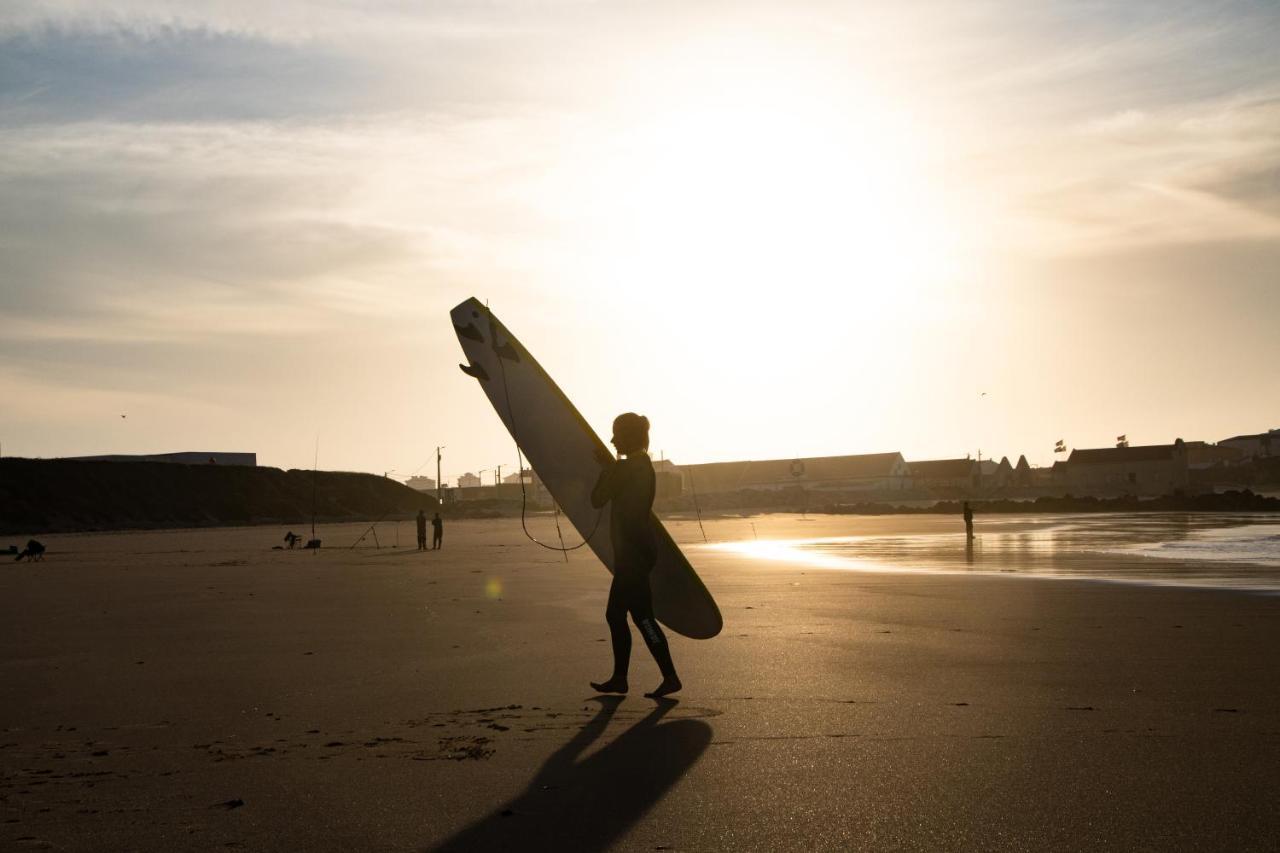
pixel 468 481
pixel 1262 444
pixel 421 484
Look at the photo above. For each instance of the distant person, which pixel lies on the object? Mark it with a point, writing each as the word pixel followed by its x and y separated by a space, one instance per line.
pixel 968 523
pixel 628 484
pixel 33 552
pixel 292 539
pixel 437 532
pixel 422 529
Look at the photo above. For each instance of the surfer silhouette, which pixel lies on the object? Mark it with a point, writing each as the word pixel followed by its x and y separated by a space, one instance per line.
pixel 968 523
pixel 437 532
pixel 628 484
pixel 421 520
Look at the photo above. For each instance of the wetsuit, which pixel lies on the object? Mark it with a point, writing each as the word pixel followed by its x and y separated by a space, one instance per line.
pixel 628 485
pixel 422 531
pixel 437 536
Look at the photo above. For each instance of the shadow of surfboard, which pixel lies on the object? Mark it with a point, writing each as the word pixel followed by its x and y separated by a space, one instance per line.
pixel 589 804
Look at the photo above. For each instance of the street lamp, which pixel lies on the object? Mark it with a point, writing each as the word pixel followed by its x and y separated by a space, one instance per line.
pixel 439 482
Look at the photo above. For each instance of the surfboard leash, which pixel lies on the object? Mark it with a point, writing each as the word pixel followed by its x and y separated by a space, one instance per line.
pixel 515 432
pixel 697 509
pixel 555 506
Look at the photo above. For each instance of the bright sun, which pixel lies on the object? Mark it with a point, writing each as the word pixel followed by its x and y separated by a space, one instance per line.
pixel 767 178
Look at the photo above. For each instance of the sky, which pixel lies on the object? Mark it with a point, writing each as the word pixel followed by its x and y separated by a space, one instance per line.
pixel 777 229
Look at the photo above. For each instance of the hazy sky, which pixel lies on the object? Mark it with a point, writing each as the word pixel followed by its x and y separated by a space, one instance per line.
pixel 777 229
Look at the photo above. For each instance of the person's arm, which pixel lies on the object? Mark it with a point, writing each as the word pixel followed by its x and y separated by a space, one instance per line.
pixel 606 485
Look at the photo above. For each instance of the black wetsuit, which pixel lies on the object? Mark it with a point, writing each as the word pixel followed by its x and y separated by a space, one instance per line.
pixel 628 485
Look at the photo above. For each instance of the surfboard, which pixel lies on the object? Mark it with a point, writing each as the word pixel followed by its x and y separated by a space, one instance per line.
pixel 568 457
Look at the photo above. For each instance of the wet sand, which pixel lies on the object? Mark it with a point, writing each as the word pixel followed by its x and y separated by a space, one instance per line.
pixel 197 690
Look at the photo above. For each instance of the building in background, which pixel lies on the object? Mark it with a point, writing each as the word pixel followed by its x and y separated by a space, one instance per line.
pixel 995 475
pixel 468 481
pixel 869 472
pixel 1002 477
pixel 946 476
pixel 421 484
pixel 1259 445
pixel 668 482
pixel 1201 454
pixel 1022 476
pixel 1153 469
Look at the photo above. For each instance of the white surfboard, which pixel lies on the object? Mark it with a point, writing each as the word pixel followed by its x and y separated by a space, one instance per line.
pixel 568 457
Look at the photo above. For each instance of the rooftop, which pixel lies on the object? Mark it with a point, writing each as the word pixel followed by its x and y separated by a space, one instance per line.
pixel 1113 455
pixel 942 468
pixel 738 475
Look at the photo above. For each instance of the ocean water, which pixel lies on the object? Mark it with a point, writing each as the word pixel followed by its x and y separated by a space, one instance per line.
pixel 1257 544
pixel 1219 550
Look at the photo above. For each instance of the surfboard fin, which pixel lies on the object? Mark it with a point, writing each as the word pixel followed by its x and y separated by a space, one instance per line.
pixel 474 371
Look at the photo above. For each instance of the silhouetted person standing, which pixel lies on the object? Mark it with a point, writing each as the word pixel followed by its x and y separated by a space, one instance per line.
pixel 968 523
pixel 437 532
pixel 628 485
pixel 291 539
pixel 33 552
pixel 422 529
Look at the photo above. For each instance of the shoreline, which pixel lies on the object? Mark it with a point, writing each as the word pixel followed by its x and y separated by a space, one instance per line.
pixel 726 514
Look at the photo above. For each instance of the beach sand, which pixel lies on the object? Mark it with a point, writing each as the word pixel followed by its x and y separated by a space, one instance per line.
pixel 198 690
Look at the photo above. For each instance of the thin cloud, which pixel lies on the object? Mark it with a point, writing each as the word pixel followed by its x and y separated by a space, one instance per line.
pixel 219 229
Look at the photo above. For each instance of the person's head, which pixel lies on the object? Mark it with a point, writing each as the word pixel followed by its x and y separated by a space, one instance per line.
pixel 630 432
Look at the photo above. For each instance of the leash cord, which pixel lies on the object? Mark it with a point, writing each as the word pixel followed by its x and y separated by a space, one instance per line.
pixel 515 431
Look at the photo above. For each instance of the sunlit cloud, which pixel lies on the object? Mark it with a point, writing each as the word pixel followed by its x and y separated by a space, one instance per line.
pixel 1143 179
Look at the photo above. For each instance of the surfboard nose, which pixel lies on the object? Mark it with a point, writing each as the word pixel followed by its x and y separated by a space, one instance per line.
pixel 468 311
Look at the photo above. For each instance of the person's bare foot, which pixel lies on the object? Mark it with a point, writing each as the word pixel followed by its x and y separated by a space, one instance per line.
pixel 668 686
pixel 613 685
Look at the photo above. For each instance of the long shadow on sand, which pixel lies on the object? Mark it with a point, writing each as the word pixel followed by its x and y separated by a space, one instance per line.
pixel 587 805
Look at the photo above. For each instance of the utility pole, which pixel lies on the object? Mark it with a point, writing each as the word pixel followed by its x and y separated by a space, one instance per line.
pixel 439 482
pixel 497 477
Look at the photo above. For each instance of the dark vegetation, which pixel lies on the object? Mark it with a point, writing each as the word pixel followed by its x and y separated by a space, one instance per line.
pixel 58 496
